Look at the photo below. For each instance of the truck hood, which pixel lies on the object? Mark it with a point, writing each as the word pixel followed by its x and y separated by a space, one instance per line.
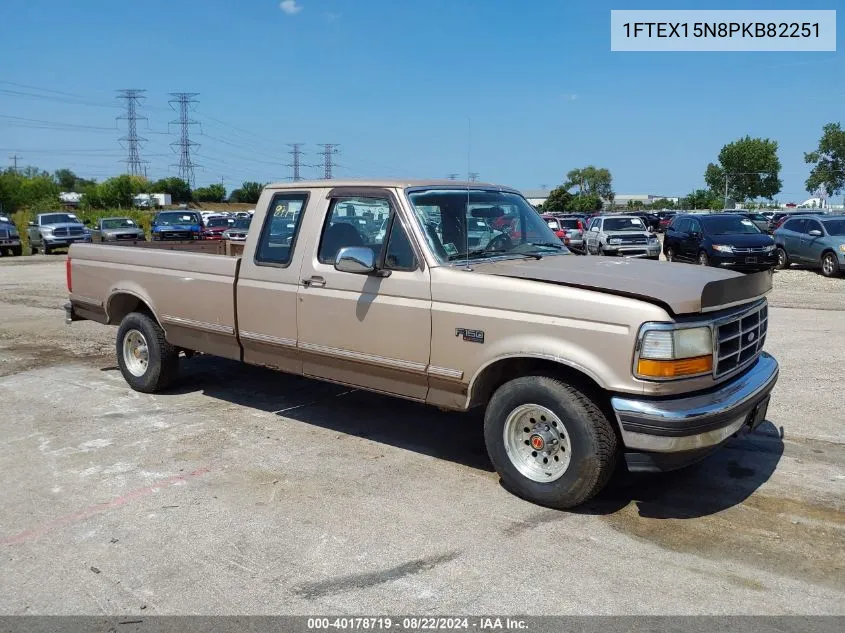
pixel 623 233
pixel 678 288
pixel 125 229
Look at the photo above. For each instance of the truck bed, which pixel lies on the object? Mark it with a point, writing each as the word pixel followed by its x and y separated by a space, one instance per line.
pixel 191 294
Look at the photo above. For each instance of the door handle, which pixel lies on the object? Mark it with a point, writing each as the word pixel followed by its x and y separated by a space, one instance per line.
pixel 314 282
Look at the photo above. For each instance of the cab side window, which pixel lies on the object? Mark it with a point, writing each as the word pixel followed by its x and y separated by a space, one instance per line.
pixel 795 225
pixel 694 226
pixel 281 227
pixel 813 225
pixel 353 221
pixel 400 253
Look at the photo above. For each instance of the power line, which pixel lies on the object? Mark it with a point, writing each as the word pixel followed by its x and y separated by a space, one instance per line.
pixel 186 165
pixel 453 176
pixel 473 176
pixel 329 150
pixel 133 141
pixel 296 152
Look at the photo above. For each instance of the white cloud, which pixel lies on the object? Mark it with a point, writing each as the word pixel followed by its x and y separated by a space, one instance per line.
pixel 291 7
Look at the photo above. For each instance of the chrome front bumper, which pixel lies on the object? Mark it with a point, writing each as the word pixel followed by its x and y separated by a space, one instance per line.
pixel 669 425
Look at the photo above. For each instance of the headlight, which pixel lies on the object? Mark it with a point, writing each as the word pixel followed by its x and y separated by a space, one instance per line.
pixel 652 238
pixel 723 248
pixel 614 240
pixel 842 248
pixel 665 352
pixel 769 248
pixel 47 230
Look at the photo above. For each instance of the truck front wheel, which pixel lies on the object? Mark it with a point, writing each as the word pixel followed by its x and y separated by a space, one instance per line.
pixel 550 443
pixel 147 361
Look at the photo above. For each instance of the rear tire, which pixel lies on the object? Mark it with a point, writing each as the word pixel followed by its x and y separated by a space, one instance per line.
pixel 830 264
pixel 147 361
pixel 577 448
pixel 16 251
pixel 783 259
pixel 33 250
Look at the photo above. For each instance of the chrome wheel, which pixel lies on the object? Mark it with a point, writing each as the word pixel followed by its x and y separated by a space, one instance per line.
pixel 670 255
pixel 781 258
pixel 136 355
pixel 537 443
pixel 829 264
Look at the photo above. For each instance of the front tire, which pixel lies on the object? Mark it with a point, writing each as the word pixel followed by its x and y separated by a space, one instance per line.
pixel 16 251
pixel 147 361
pixel 670 254
pixel 830 265
pixel 783 259
pixel 549 442
pixel 703 259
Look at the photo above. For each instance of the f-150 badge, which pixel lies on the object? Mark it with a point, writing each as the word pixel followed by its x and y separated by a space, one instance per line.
pixel 472 336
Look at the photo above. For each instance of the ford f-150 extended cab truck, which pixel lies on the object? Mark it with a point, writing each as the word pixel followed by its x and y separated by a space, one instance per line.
pixel 580 363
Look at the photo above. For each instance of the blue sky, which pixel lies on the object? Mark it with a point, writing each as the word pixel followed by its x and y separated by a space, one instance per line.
pixel 395 82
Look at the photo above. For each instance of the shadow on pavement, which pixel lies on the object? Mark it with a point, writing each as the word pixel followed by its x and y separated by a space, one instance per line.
pixel 722 480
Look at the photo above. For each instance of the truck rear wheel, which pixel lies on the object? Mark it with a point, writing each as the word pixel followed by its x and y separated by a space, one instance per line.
pixel 147 361
pixel 549 442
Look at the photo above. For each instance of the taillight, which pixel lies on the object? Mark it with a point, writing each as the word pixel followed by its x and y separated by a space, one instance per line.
pixel 68 275
pixel 580 225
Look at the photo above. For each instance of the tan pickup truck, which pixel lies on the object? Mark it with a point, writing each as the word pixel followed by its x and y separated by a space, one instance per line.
pixel 463 298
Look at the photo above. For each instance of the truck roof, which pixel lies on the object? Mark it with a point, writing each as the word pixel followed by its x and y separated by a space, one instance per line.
pixel 329 184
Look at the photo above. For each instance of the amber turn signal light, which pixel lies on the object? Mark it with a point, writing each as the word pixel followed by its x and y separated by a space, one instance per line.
pixel 674 368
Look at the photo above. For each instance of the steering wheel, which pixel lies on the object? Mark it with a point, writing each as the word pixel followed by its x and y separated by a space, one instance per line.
pixel 506 243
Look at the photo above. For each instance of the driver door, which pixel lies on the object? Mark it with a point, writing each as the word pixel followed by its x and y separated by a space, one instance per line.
pixel 812 245
pixel 368 330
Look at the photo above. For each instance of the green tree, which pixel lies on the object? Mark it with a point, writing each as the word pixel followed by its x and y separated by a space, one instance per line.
pixel 749 166
pixel 212 193
pixel 179 190
pixel 591 180
pixel 828 161
pixel 116 192
pixel 586 202
pixel 663 203
pixel 249 193
pixel 559 200
pixel 700 199
pixel 66 179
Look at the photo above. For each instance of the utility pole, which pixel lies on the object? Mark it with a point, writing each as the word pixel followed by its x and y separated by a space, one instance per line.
pixel 473 176
pixel 14 158
pixel 329 150
pixel 453 176
pixel 296 152
pixel 186 164
pixel 132 142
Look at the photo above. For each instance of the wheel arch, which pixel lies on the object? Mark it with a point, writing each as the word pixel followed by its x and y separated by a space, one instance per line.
pixel 124 301
pixel 498 371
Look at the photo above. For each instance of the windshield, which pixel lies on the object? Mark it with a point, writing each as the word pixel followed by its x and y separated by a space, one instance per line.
pixel 59 218
pixel 624 224
pixel 571 223
pixel 729 225
pixel 117 223
pixel 218 222
pixel 168 219
pixel 241 223
pixel 476 223
pixel 834 227
pixel 553 224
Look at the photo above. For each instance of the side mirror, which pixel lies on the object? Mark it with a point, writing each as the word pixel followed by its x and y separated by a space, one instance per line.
pixel 355 259
pixel 815 233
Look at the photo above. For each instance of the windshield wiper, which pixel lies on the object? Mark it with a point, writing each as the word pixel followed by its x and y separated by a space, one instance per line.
pixel 547 244
pixel 481 252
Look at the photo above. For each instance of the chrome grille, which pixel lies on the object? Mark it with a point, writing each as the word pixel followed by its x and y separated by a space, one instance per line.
pixel 740 339
pixel 64 231
pixel 5 234
pixel 633 239
pixel 749 250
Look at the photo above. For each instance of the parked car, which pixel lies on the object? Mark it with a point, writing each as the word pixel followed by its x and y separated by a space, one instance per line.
pixel 574 227
pixel 664 218
pixel 777 220
pixel 554 224
pixel 215 226
pixel 55 230
pixel 622 235
pixel 117 229
pixel 726 240
pixel 177 225
pixel 578 365
pixel 814 241
pixel 10 238
pixel 238 231
pixel 759 220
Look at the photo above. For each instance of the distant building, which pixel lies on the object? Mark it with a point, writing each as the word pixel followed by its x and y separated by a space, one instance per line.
pixel 537 197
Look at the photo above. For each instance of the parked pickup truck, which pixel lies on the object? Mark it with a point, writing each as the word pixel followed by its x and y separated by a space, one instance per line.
pixel 578 362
